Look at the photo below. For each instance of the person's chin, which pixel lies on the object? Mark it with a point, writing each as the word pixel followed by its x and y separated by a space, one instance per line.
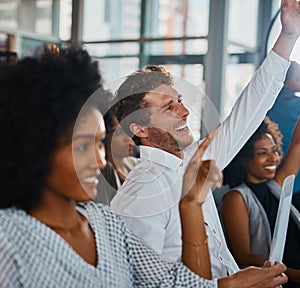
pixel 185 142
pixel 270 175
pixel 90 192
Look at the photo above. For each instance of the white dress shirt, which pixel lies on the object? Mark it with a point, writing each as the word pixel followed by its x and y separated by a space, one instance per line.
pixel 148 199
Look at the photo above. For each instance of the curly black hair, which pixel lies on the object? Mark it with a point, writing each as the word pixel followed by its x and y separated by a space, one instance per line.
pixel 130 96
pixel 235 173
pixel 40 100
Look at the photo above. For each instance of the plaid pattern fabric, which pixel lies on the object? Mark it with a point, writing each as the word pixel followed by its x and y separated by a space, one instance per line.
pixel 32 255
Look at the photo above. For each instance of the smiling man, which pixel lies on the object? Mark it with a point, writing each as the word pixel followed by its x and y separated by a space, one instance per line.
pixel 152 112
pixel 167 130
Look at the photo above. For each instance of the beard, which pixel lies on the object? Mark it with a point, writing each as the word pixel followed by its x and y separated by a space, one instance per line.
pixel 166 141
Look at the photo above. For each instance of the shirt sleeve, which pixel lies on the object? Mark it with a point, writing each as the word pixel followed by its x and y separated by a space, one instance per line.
pixel 150 270
pixel 249 110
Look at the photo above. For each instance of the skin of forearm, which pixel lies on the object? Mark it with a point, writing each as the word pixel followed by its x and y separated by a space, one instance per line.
pixel 196 258
pixel 253 277
pixel 225 282
pixel 284 45
pixel 249 259
pixel 256 260
pixel 293 275
pixel 296 132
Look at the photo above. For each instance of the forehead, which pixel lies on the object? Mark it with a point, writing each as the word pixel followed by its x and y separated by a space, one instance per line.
pixel 90 122
pixel 265 141
pixel 161 95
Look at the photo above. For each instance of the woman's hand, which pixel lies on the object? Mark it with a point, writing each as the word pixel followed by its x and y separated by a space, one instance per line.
pixel 201 175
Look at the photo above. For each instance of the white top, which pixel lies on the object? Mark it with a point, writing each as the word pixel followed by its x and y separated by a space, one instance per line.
pixel 148 199
pixel 34 256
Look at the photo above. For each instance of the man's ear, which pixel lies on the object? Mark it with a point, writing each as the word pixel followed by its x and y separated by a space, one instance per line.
pixel 139 131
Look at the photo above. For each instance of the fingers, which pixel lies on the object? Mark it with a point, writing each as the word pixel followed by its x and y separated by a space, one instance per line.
pixel 55 49
pixel 51 49
pixel 219 180
pixel 204 144
pixel 47 48
pixel 212 134
pixel 277 273
pixel 279 267
pixel 267 263
pixel 278 270
pixel 280 279
pixel 213 173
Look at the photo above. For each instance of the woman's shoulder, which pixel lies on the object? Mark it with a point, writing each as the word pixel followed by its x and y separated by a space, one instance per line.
pixel 239 194
pixel 237 190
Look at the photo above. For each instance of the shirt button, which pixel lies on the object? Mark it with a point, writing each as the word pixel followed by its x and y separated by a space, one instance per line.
pixel 214 231
pixel 220 257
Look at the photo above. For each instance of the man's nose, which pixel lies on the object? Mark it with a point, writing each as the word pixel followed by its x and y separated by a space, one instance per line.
pixel 181 110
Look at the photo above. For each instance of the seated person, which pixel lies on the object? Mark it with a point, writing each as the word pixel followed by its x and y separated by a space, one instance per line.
pixel 118 162
pixel 119 146
pixel 249 209
pixel 107 185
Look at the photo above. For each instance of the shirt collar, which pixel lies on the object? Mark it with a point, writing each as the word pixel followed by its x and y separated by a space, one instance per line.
pixel 160 157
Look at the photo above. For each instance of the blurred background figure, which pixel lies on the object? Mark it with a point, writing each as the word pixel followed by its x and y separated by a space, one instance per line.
pixel 249 209
pixel 286 109
pixel 119 160
pixel 108 184
pixel 119 146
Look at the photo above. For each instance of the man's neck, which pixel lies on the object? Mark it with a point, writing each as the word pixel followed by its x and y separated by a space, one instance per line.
pixel 176 152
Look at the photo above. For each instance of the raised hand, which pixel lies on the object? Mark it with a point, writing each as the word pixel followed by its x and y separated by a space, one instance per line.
pixel 51 49
pixel 290 31
pixel 290 17
pixel 201 175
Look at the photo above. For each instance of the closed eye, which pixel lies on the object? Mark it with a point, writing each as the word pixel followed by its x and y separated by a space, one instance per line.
pixel 168 108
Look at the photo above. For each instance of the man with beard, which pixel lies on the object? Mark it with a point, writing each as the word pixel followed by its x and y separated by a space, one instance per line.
pixel 152 112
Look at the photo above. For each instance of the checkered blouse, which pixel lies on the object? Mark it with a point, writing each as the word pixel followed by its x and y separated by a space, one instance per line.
pixel 32 255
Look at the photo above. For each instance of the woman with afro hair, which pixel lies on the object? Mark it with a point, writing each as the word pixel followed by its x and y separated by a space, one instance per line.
pixel 51 233
pixel 255 177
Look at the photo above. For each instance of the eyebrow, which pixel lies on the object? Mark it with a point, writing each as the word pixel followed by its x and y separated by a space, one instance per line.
pixel 274 146
pixel 88 136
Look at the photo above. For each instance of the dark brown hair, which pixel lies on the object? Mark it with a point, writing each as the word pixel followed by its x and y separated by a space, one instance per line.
pixel 131 93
